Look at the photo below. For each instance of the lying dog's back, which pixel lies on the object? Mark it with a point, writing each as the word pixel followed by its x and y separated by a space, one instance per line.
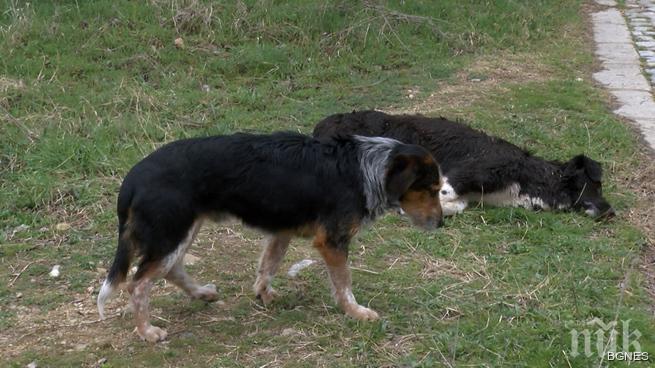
pixel 452 144
pixel 478 167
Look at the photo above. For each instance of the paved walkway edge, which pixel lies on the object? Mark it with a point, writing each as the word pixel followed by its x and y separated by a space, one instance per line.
pixel 622 72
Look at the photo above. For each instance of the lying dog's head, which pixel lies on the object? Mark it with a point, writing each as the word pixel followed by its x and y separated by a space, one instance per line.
pixel 413 181
pixel 582 183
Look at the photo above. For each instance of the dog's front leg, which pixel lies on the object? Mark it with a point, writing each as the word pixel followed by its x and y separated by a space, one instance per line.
pixel 337 263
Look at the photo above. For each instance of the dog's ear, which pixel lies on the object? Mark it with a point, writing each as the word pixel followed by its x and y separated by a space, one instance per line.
pixel 401 174
pixel 583 163
pixel 593 169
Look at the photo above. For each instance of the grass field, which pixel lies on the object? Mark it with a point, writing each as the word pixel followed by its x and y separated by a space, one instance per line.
pixel 89 88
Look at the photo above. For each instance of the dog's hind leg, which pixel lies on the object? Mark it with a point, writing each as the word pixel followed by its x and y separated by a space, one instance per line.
pixel 269 262
pixel 148 272
pixel 139 289
pixel 179 277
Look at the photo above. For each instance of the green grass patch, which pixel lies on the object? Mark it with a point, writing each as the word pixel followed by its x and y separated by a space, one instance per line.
pixel 89 88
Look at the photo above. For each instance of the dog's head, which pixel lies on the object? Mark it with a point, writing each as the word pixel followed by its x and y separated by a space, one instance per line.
pixel 582 183
pixel 413 181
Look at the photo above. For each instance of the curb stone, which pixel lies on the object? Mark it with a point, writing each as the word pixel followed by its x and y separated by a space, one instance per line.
pixel 621 50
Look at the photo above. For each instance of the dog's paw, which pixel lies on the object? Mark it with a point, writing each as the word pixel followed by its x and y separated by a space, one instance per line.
pixel 362 313
pixel 152 333
pixel 207 293
pixel 267 295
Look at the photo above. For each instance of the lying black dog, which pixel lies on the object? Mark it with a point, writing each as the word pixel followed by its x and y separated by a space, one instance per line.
pixel 478 167
pixel 285 184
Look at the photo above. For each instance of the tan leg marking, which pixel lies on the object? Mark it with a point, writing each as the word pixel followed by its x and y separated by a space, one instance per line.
pixel 140 290
pixel 171 266
pixel 336 261
pixel 178 276
pixel 269 262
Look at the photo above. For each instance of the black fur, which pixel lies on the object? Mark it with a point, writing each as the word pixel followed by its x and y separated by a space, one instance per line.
pixel 279 182
pixel 474 162
pixel 285 184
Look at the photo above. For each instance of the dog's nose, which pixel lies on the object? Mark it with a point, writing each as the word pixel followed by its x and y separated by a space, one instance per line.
pixel 610 213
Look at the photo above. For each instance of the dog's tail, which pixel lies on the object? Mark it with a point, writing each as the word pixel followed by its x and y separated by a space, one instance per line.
pixel 121 265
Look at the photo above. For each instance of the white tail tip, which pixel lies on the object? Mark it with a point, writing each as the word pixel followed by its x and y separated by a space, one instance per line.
pixel 105 293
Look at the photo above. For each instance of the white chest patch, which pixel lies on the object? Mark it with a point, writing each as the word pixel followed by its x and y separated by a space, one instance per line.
pixel 509 197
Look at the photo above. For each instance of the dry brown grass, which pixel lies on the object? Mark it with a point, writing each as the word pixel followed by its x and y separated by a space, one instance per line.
pixel 8 84
pixel 20 16
pixel 187 16
pixel 642 183
pixel 485 76
pixel 475 269
pixel 74 325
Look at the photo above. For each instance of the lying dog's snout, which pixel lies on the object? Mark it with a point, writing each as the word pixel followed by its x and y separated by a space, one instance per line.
pixel 608 214
pixel 600 210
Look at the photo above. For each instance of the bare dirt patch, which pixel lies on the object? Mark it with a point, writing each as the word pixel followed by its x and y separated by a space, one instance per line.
pixel 74 325
pixel 7 84
pixel 224 254
pixel 437 267
pixel 488 75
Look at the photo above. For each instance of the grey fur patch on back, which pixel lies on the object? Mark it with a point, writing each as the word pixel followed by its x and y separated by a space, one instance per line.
pixel 374 155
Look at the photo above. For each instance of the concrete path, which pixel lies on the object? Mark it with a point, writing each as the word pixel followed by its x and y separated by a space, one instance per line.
pixel 621 50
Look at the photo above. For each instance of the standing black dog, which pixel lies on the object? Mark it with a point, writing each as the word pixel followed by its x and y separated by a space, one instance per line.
pixel 481 168
pixel 285 184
